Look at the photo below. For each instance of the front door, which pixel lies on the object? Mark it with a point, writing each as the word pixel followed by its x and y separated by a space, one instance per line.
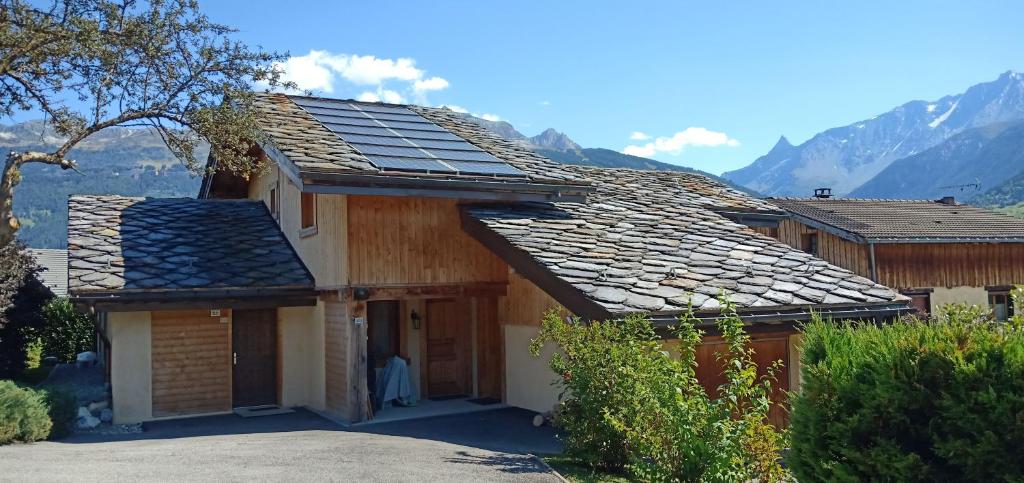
pixel 448 349
pixel 254 354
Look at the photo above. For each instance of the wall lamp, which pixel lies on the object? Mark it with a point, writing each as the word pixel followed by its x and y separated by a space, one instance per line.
pixel 415 320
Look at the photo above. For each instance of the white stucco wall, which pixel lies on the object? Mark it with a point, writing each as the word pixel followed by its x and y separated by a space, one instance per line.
pixel 528 379
pixel 131 366
pixel 971 295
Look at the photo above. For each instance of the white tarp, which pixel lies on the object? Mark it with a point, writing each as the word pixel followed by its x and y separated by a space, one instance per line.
pixel 393 384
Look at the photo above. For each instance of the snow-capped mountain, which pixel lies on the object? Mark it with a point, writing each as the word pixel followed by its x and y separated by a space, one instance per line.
pixel 844 158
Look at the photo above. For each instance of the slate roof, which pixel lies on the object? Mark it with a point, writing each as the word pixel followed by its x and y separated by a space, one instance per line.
pixel 312 147
pixel 120 245
pixel 695 188
pixel 644 242
pixel 914 221
pixel 55 268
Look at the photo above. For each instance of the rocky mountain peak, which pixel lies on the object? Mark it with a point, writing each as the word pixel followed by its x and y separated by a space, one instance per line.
pixel 552 139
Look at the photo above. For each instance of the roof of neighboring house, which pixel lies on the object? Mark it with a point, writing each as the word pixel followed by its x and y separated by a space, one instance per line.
pixel 55 268
pixel 645 242
pixel 299 139
pixel 695 188
pixel 167 247
pixel 904 221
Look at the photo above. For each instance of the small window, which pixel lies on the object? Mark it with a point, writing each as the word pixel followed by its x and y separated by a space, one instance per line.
pixel 308 213
pixel 1001 304
pixel 274 208
pixel 921 300
pixel 810 243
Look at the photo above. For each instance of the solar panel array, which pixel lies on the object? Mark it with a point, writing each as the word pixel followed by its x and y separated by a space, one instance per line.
pixel 397 139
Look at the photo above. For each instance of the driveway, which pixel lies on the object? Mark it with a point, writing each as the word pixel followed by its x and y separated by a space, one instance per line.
pixel 483 446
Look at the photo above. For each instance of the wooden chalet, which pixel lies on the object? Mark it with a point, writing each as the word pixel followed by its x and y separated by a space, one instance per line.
pixel 383 230
pixel 936 252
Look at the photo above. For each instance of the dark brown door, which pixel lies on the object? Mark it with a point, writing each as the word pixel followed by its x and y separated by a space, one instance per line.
pixel 254 347
pixel 448 348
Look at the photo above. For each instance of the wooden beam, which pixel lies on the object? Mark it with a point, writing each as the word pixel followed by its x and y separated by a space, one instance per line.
pixel 525 265
pixel 143 306
pixel 411 292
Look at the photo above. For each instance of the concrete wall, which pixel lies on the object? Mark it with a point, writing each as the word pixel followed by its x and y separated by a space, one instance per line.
pixel 971 295
pixel 131 366
pixel 528 379
pixel 302 356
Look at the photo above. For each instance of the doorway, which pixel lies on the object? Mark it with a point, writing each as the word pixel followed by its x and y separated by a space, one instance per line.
pixel 254 357
pixel 447 367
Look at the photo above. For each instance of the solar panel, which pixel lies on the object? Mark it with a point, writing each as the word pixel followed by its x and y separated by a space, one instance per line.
pixel 398 139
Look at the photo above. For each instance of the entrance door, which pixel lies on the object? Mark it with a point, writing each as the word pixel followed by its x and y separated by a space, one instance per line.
pixel 448 350
pixel 254 352
pixel 768 348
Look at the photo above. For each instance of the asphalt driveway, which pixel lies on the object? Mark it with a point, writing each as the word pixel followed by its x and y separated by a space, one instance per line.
pixel 483 446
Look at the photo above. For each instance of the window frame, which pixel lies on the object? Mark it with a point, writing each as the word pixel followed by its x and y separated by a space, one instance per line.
pixel 809 243
pixel 921 293
pixel 1002 291
pixel 275 201
pixel 304 229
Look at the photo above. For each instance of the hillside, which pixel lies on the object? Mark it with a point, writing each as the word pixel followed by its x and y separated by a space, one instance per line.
pixel 966 165
pixel 847 157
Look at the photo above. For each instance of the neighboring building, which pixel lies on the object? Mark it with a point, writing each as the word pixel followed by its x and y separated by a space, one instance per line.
pixel 425 236
pixel 935 252
pixel 54 264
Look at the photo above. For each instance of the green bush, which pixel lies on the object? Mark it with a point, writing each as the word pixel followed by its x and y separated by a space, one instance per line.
pixel 23 414
pixel 62 409
pixel 22 297
pixel 935 400
pixel 628 404
pixel 66 332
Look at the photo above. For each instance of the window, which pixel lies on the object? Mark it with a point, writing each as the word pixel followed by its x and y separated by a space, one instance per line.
pixel 308 213
pixel 809 243
pixel 1000 302
pixel 274 208
pixel 921 300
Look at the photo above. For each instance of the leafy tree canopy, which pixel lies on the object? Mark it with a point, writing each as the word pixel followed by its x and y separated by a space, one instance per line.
pixel 92 64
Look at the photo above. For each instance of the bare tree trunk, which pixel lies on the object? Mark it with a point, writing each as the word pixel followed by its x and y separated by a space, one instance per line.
pixel 11 177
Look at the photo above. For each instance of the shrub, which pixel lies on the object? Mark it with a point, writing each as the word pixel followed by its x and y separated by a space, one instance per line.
pixel 22 297
pixel 62 408
pixel 23 414
pixel 934 400
pixel 629 404
pixel 66 332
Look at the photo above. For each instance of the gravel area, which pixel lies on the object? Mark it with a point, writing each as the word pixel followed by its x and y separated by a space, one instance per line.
pixel 487 446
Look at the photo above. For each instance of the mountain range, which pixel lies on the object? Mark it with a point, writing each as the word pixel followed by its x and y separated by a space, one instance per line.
pixel 962 143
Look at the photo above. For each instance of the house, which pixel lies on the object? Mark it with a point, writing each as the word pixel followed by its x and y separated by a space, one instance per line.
pixel 381 230
pixel 54 265
pixel 936 252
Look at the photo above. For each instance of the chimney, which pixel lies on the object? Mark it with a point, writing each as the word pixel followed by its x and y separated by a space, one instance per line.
pixel 823 193
pixel 947 200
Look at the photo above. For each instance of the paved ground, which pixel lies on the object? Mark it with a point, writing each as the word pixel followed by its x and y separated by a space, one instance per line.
pixel 486 446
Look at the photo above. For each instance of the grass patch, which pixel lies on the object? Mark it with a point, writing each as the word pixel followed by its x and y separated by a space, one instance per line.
pixel 575 472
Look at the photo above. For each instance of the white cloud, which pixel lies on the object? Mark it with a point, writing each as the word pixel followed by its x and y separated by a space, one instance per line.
pixel 639 136
pixel 431 84
pixel 323 71
pixel 489 117
pixel 458 109
pixel 545 103
pixel 463 110
pixel 691 136
pixel 382 95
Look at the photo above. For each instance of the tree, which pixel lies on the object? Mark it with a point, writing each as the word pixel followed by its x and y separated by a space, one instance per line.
pixel 92 64
pixel 22 297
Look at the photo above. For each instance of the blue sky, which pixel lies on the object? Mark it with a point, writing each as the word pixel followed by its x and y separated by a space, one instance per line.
pixel 724 78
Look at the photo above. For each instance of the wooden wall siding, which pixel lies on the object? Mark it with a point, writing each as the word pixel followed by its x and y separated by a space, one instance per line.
pixel 406 241
pixel 323 252
pixel 526 303
pixel 191 357
pixel 490 356
pixel 835 250
pixel 950 264
pixel 768 231
pixel 768 348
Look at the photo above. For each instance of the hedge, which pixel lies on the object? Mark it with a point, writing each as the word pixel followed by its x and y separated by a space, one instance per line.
pixel 935 400
pixel 23 414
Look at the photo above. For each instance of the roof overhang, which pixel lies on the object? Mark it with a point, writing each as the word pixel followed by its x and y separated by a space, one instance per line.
pixel 794 314
pixel 473 189
pixel 768 219
pixel 175 299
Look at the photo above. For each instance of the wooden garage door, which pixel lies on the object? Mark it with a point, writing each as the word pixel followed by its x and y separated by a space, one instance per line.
pixel 768 348
pixel 191 363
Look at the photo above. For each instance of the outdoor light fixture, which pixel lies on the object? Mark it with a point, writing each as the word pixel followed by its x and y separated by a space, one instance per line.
pixel 415 320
